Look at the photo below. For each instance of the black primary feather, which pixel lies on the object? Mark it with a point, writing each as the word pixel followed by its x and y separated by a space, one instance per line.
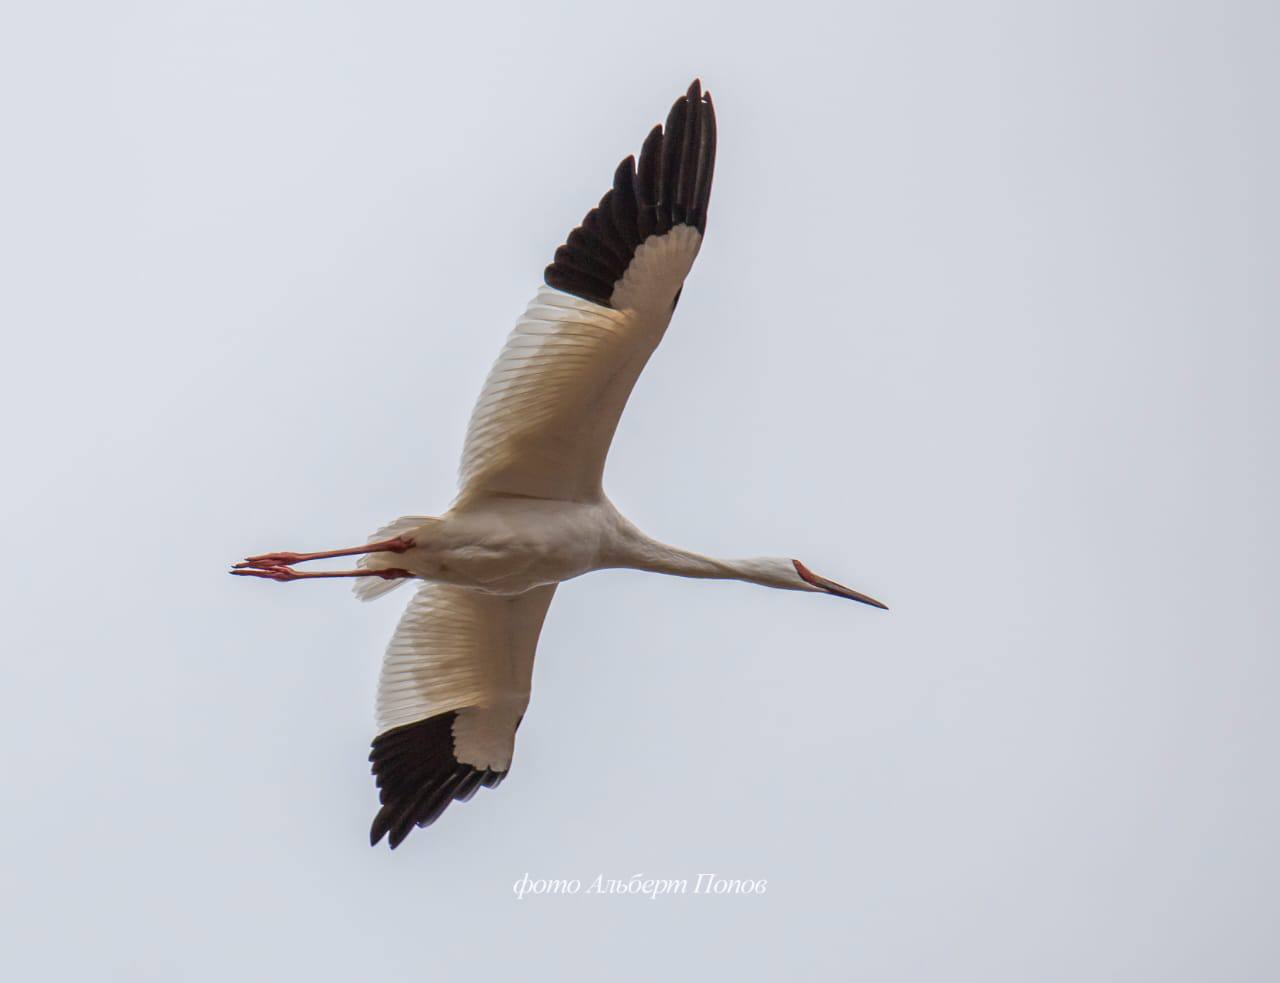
pixel 670 185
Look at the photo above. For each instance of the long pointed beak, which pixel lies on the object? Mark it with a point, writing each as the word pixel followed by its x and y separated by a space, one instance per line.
pixel 831 587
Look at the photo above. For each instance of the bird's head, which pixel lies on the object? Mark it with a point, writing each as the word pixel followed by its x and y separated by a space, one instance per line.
pixel 813 582
pixel 794 575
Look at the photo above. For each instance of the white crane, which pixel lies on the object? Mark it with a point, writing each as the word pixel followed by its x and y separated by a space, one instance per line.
pixel 531 511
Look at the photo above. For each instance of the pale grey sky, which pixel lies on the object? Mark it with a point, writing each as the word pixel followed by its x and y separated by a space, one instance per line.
pixel 985 324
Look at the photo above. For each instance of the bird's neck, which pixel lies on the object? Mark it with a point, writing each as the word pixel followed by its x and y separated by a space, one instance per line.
pixel 648 554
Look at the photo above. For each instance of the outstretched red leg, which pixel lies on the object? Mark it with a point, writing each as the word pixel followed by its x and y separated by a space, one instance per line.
pixel 267 561
pixel 284 574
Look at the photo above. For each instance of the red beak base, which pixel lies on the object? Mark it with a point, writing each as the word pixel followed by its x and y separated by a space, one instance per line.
pixel 831 587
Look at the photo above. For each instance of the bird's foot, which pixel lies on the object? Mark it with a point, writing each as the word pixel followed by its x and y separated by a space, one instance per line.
pixel 268 560
pixel 282 574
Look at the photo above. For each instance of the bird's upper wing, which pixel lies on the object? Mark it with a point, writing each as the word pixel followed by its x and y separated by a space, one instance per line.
pixel 454 686
pixel 546 416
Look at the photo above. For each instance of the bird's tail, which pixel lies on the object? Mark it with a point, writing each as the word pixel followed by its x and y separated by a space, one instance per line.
pixel 369 588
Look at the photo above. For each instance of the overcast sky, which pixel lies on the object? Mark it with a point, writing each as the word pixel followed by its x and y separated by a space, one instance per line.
pixel 985 324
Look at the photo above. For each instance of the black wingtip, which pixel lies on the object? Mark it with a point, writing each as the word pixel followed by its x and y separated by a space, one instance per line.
pixel 418 775
pixel 669 185
pixel 381 823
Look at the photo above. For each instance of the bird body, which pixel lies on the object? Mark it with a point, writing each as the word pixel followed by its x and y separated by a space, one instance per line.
pixel 508 545
pixel 531 511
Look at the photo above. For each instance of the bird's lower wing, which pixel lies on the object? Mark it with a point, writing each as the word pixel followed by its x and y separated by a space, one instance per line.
pixel 548 411
pixel 454 687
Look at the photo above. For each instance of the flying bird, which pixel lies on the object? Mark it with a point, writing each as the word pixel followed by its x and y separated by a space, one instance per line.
pixel 531 511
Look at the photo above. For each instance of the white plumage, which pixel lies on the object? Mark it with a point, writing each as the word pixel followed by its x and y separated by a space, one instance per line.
pixel 531 511
pixel 546 416
pixel 459 649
